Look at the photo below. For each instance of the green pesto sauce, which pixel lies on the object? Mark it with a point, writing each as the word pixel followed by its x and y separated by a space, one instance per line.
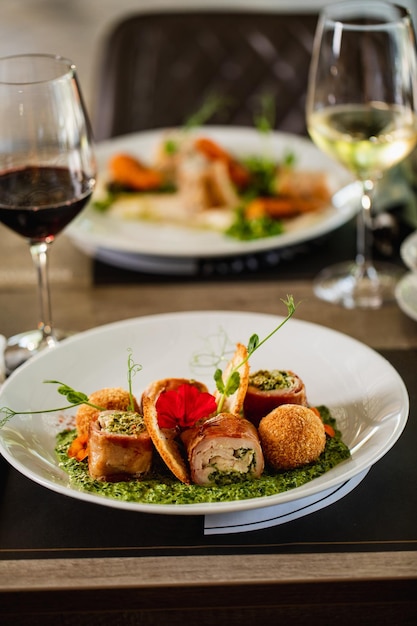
pixel 161 487
pixel 267 380
pixel 125 423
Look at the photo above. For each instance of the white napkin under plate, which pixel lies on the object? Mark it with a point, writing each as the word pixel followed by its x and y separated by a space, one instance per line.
pixel 257 519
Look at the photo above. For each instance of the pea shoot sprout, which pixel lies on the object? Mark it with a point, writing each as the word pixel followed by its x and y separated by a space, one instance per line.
pixel 75 398
pixel 228 387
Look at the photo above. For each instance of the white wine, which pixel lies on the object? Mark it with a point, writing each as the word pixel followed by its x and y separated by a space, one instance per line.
pixel 367 139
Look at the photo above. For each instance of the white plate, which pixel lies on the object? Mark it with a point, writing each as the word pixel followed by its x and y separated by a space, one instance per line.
pixel 408 251
pixel 95 232
pixel 406 295
pixel 365 393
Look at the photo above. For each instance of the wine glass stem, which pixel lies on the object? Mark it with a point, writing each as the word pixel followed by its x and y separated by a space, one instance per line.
pixel 364 259
pixel 39 252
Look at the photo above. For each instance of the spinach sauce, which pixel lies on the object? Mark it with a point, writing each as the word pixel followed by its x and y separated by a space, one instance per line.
pixel 161 487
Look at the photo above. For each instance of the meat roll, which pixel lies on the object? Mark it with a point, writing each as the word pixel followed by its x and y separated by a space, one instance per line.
pixel 269 389
pixel 165 439
pixel 223 448
pixel 109 398
pixel 120 447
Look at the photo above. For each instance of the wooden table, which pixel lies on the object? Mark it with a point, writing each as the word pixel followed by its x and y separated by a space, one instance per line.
pixel 346 564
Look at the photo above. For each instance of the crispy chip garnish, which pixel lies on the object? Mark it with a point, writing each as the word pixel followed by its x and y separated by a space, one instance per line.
pixel 234 403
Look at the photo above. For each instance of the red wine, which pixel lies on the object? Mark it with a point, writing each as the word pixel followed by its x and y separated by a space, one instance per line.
pixel 38 202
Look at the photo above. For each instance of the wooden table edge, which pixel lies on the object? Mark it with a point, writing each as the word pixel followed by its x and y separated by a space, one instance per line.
pixel 153 572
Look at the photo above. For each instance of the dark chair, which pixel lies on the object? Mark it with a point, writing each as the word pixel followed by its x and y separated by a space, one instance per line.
pixel 156 69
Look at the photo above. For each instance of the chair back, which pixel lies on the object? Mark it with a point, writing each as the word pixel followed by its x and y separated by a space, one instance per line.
pixel 157 69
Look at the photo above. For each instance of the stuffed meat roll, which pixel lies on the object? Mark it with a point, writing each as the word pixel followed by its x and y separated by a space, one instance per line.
pixel 168 406
pixel 119 446
pixel 268 389
pixel 223 448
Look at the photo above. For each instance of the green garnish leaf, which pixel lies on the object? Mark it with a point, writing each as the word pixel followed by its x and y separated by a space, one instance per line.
pixel 104 203
pixel 289 159
pixel 264 120
pixel 212 105
pixel 245 229
pixel 75 397
pixel 171 146
pixel 232 383
pixel 218 379
pixel 253 343
pixel 229 387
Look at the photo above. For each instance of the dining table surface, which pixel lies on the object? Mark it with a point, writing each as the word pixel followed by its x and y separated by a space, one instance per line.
pixel 67 561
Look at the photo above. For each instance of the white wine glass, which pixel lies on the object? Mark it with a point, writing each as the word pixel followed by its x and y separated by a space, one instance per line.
pixel 362 110
pixel 47 170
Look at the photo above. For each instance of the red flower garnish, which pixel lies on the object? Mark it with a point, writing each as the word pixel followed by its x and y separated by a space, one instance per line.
pixel 184 406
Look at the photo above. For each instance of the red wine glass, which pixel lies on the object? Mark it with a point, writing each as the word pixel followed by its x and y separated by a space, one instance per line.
pixel 47 170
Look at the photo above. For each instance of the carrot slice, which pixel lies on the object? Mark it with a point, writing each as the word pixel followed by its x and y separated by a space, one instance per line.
pixel 129 171
pixel 329 430
pixel 276 208
pixel 238 173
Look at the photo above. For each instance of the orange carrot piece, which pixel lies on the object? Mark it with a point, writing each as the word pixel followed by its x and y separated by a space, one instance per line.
pixel 130 172
pixel 238 173
pixel 329 430
pixel 275 208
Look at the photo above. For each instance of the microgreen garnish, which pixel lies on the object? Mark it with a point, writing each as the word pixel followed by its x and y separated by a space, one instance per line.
pixel 265 120
pixel 132 369
pixel 228 387
pixel 75 398
pixel 212 105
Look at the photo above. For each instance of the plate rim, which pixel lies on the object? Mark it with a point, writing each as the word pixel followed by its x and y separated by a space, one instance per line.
pixel 403 303
pixel 314 486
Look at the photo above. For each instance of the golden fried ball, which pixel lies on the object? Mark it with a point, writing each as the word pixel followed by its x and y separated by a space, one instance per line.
pixel 291 435
pixel 108 398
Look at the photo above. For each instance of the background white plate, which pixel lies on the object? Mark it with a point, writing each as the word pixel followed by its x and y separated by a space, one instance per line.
pixel 364 392
pixel 408 251
pixel 406 294
pixel 95 232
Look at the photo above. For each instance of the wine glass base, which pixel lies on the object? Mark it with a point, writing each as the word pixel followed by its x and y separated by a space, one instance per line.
pixel 21 347
pixel 346 285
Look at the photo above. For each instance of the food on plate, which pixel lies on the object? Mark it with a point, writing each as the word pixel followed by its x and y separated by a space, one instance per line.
pixel 119 446
pixel 296 193
pixel 109 398
pixel 180 411
pixel 223 448
pixel 194 181
pixel 291 436
pixel 185 443
pixel 268 389
pixel 131 173
pixel 237 367
pixel 238 173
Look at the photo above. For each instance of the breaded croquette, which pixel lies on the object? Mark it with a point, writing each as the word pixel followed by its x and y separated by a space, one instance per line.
pixel 113 398
pixel 291 435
